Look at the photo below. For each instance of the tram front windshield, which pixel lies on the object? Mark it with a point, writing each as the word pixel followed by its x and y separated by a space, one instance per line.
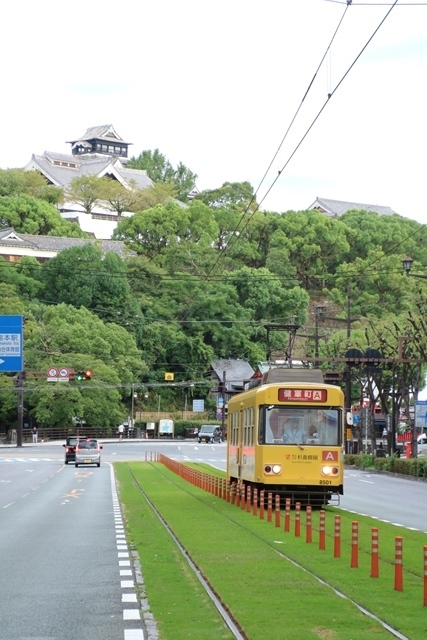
pixel 289 425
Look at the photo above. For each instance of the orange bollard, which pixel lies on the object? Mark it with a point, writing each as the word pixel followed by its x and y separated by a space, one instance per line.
pixel 308 525
pixel 322 527
pixel 337 537
pixel 269 507
pixel 261 505
pixel 287 526
pixel 425 575
pixel 297 519
pixel 255 503
pixel 374 554
pixel 233 492
pixel 243 496
pixel 248 499
pixel 354 545
pixel 238 489
pixel 277 510
pixel 398 564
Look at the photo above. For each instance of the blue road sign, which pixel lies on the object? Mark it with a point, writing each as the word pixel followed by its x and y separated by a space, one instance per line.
pixel 11 344
pixel 198 405
pixel 421 413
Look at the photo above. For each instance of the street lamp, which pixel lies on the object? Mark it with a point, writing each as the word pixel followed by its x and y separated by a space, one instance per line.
pixel 407 266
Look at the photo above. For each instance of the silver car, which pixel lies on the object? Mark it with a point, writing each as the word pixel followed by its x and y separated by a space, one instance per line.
pixel 88 451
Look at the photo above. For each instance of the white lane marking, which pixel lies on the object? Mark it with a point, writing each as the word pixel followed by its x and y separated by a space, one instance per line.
pixel 127 584
pixel 8 505
pixel 134 634
pixel 129 597
pixel 131 614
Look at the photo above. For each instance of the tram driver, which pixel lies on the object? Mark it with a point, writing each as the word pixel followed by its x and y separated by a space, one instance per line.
pixel 293 432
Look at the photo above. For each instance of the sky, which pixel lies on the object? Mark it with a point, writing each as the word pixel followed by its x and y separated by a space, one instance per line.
pixel 216 85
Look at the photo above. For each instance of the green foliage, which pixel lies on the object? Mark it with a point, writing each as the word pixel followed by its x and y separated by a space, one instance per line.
pixel 83 276
pixel 63 336
pixel 118 197
pixel 416 467
pixel 87 190
pixel 16 182
pixel 27 214
pixel 232 195
pixel 159 169
pixel 23 276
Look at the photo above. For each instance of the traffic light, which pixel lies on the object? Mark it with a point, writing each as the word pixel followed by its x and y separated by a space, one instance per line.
pixel 86 374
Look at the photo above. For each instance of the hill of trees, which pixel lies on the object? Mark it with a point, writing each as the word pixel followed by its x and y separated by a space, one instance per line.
pixel 206 280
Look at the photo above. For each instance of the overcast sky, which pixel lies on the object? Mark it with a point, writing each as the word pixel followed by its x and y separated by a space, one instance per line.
pixel 216 85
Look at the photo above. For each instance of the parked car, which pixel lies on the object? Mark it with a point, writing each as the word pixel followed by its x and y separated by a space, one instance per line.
pixel 422 439
pixel 70 448
pixel 88 451
pixel 209 433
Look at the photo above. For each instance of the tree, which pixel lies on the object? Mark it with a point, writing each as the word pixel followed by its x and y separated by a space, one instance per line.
pixel 159 169
pixel 23 276
pixel 264 294
pixel 86 190
pixel 232 195
pixel 118 197
pixel 84 277
pixel 27 214
pixel 16 182
pixel 159 193
pixel 63 336
pixel 150 231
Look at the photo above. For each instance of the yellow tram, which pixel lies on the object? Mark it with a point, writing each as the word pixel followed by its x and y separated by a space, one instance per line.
pixel 285 435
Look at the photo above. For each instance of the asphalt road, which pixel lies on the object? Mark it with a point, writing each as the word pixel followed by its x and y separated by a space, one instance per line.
pixel 64 562
pixel 65 568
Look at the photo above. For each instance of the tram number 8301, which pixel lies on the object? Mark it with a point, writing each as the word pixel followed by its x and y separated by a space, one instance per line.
pixel 325 482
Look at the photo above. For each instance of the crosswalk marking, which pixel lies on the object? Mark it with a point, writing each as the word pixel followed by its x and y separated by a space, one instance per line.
pixel 31 460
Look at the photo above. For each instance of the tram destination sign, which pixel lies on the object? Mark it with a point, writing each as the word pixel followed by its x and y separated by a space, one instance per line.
pixel 11 344
pixel 303 395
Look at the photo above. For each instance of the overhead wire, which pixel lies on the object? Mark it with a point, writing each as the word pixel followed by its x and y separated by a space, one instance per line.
pixel 246 217
pixel 253 198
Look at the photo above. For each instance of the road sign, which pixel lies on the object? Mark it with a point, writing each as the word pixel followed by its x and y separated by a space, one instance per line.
pixel 58 375
pixel 198 405
pixel 11 343
pixel 421 413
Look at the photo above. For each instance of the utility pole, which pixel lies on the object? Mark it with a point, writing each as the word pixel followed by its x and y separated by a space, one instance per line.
pixel 223 405
pixel 20 388
pixel 348 368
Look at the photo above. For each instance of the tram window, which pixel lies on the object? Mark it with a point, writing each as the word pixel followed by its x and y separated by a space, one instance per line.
pixel 295 425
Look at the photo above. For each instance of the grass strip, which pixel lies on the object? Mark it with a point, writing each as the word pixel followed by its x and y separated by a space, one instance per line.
pixel 179 603
pixel 268 595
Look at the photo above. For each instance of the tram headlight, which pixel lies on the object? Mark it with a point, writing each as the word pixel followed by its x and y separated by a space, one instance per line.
pixel 327 470
pixel 272 469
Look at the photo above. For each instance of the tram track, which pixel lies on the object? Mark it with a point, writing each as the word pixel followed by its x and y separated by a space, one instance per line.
pixel 223 611
pixel 221 607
